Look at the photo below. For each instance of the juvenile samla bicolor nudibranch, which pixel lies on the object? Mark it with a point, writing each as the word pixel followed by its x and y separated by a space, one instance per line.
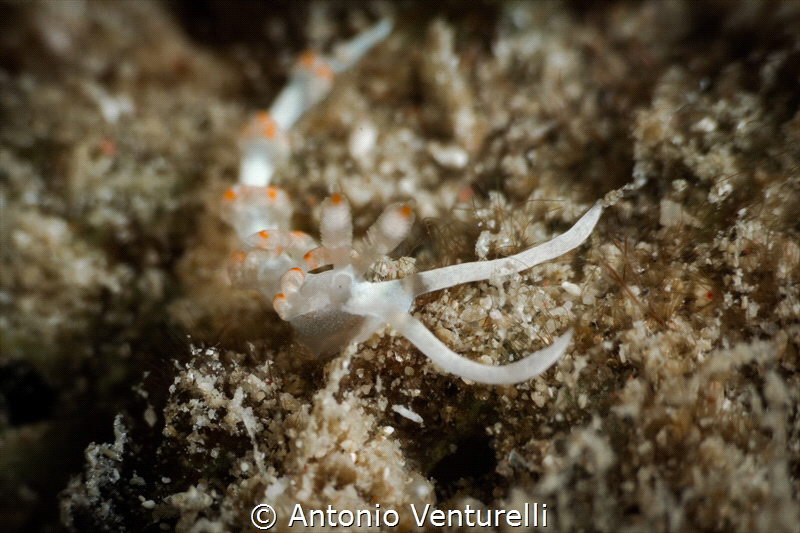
pixel 332 308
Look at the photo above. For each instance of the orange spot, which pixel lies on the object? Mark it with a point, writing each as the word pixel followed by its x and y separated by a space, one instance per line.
pixel 545 283
pixel 307 58
pixel 295 268
pixel 405 211
pixel 229 195
pixel 238 257
pixel 336 199
pixel 324 71
pixel 265 123
pixel 298 233
pixel 279 296
pixel 107 147
pixel 263 234
pixel 272 193
pixel 307 257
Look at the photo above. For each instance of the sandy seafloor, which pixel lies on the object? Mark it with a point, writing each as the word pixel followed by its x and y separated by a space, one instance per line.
pixel 140 392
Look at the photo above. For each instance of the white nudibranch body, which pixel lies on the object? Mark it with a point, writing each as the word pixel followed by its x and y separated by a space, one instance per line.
pixel 259 212
pixel 331 309
pixel 333 306
pixel 265 143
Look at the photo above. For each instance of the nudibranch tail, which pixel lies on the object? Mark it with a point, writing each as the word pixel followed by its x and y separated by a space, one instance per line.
pixel 312 78
pixel 265 142
pixel 349 52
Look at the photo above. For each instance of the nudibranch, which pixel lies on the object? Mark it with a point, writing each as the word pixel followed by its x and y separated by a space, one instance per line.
pixel 329 304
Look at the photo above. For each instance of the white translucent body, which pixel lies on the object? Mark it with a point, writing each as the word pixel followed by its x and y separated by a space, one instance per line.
pixel 310 80
pixel 253 205
pixel 260 159
pixel 336 307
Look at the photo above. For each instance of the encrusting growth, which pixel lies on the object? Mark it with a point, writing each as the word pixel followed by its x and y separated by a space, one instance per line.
pixel 337 306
